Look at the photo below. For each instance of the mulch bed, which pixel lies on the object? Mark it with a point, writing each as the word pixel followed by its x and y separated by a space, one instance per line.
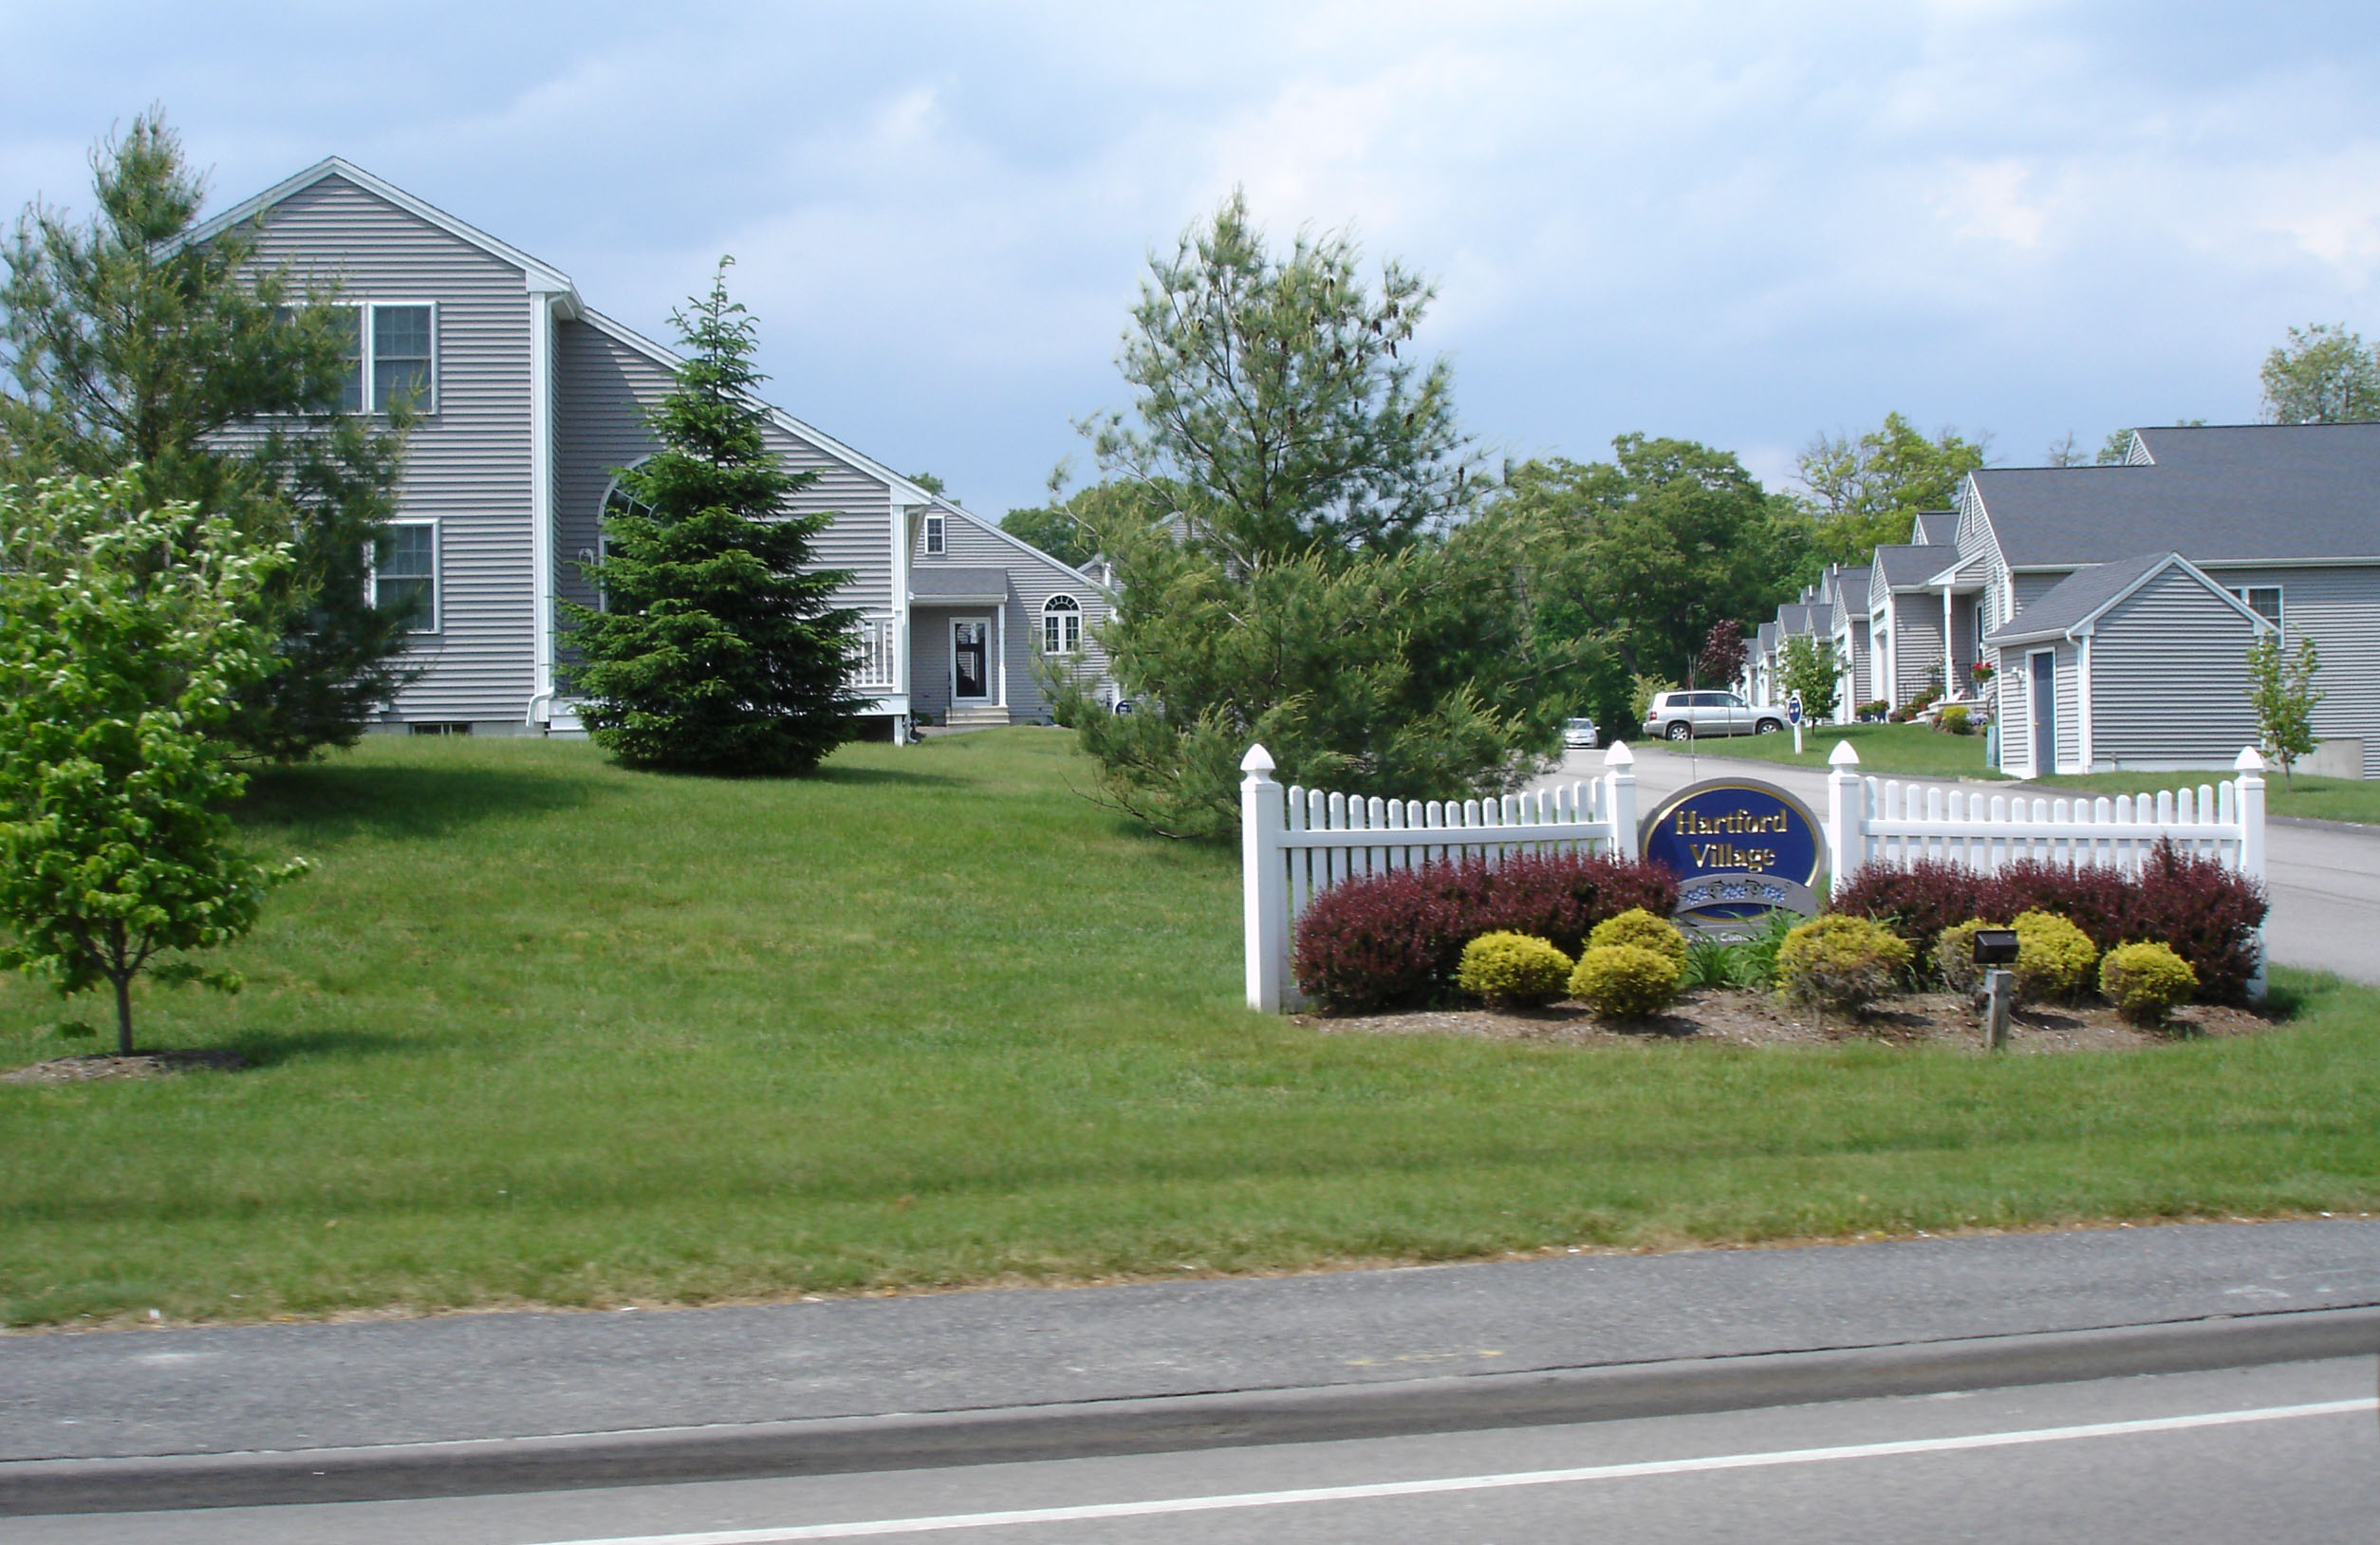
pixel 90 1065
pixel 1733 1015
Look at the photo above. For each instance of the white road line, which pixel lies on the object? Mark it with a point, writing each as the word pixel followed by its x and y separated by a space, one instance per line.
pixel 1462 1484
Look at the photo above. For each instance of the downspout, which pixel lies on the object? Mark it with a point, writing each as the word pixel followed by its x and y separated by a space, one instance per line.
pixel 541 495
pixel 2083 737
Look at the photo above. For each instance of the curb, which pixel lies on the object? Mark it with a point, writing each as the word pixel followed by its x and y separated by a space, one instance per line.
pixel 2358 828
pixel 915 1440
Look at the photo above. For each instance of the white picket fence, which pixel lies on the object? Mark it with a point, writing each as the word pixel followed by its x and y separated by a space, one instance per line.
pixel 1297 842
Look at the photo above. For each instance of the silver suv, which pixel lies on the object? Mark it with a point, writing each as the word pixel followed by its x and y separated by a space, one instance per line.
pixel 1686 716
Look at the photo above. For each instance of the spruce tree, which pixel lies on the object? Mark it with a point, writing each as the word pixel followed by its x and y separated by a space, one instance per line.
pixel 130 347
pixel 717 649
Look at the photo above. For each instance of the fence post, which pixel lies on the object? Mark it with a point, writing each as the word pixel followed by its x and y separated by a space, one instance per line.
pixel 2251 785
pixel 1846 816
pixel 1619 798
pixel 1264 884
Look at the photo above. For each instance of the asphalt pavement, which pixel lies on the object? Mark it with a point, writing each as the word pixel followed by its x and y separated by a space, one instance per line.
pixel 2324 877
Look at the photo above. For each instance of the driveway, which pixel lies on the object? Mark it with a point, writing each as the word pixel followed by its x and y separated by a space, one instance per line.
pixel 2324 877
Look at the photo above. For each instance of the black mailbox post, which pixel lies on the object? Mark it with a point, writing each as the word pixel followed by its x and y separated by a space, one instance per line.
pixel 1995 946
pixel 1996 949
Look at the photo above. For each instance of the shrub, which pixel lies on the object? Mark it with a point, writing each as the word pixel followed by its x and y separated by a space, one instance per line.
pixel 1954 955
pixel 1625 982
pixel 2145 982
pixel 1919 901
pixel 1953 720
pixel 2054 957
pixel 1513 970
pixel 2207 914
pixel 1874 710
pixel 1739 962
pixel 1840 961
pixel 1640 927
pixel 1386 939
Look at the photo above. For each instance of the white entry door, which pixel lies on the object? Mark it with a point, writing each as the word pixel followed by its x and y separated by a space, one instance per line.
pixel 969 658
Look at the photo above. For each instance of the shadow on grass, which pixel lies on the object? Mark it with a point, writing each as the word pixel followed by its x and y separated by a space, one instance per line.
pixel 269 1048
pixel 887 776
pixel 400 801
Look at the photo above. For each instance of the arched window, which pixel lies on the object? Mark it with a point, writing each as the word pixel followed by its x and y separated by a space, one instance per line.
pixel 1061 626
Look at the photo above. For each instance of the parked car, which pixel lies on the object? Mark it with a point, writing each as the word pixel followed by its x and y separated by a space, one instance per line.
pixel 1683 716
pixel 1579 733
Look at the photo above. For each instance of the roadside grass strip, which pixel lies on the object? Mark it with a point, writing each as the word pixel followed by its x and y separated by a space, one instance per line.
pixel 1884 749
pixel 540 1032
pixel 1094 1512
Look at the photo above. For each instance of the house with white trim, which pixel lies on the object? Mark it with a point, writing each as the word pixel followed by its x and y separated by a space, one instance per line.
pixel 530 402
pixel 2116 604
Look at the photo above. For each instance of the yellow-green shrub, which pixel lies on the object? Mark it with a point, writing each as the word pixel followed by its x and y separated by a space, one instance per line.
pixel 1513 970
pixel 1954 955
pixel 2054 957
pixel 1625 982
pixel 1840 961
pixel 1645 931
pixel 2145 982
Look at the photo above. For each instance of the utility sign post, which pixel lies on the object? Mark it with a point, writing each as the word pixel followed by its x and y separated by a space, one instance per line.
pixel 1793 717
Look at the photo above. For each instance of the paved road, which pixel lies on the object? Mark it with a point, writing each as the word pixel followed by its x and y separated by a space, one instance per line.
pixel 2287 1452
pixel 2325 881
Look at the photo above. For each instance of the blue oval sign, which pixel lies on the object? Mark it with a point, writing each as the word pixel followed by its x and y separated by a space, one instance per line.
pixel 1735 826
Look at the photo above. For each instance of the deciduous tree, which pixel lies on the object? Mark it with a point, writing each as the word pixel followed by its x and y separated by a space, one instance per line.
pixel 2282 689
pixel 717 649
pixel 1811 667
pixel 124 641
pixel 2323 374
pixel 1860 493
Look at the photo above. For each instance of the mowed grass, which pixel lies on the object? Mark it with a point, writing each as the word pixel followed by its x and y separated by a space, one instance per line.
pixel 1884 749
pixel 2321 799
pixel 538 1031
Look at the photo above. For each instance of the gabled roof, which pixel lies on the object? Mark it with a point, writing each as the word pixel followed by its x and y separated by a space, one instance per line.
pixel 542 275
pixel 1850 591
pixel 1767 635
pixel 2075 604
pixel 1904 566
pixel 1937 527
pixel 2232 494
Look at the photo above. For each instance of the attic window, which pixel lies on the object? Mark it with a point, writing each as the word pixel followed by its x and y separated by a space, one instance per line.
pixel 2263 600
pixel 933 536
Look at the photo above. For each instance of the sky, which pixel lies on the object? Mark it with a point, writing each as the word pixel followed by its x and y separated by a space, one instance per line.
pixel 1746 223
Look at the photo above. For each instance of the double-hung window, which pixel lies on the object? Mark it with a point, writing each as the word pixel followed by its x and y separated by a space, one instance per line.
pixel 2263 600
pixel 392 355
pixel 1061 626
pixel 936 539
pixel 405 572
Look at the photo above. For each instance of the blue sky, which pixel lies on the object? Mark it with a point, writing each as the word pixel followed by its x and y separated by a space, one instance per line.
pixel 1740 223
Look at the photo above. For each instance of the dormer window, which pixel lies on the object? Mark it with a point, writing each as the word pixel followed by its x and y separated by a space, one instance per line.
pixel 935 536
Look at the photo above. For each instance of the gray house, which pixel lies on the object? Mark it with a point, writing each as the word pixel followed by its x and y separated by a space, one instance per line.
pixel 531 403
pixel 2116 601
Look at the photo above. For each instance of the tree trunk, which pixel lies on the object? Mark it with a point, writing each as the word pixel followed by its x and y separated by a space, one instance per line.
pixel 123 1017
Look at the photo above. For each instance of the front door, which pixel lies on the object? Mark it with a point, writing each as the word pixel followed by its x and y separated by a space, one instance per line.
pixel 2043 693
pixel 970 653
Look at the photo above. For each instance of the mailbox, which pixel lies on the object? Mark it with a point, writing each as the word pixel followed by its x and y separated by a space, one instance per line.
pixel 1995 946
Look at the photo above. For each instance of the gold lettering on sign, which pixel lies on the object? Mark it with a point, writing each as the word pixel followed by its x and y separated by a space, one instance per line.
pixel 1734 823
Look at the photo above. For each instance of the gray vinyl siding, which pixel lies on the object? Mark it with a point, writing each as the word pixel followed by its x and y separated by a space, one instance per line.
pixel 2032 587
pixel 2169 678
pixel 2015 712
pixel 2339 609
pixel 1033 579
pixel 1916 643
pixel 2069 749
pixel 466 464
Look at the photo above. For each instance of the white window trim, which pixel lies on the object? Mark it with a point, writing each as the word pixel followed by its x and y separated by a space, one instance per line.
pixel 437 621
pixel 2280 602
pixel 1073 608
pixel 427 404
pixel 937 538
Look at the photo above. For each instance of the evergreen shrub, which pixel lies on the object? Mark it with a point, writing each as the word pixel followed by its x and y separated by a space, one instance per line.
pixel 1640 927
pixel 2054 957
pixel 1625 982
pixel 2146 981
pixel 1840 961
pixel 1512 970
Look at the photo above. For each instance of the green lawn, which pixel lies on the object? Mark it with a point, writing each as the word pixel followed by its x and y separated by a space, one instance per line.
pixel 1886 749
pixel 537 1031
pixel 2323 799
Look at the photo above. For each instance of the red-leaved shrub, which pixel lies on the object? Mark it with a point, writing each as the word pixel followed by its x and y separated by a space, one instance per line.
pixel 1386 939
pixel 2208 914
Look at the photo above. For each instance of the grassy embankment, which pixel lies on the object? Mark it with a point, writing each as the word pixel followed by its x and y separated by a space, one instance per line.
pixel 540 1031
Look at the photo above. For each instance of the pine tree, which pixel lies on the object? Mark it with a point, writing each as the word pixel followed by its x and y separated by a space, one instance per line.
pixel 716 649
pixel 129 345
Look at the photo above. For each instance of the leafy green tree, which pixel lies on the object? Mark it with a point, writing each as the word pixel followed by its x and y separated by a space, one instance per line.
pixel 1281 507
pixel 717 650
pixel 2323 374
pixel 2282 689
pixel 1068 529
pixel 2113 451
pixel 1273 397
pixel 129 345
pixel 124 640
pixel 1861 493
pixel 1810 666
pixel 1644 555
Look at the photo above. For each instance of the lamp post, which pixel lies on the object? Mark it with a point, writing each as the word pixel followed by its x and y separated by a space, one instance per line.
pixel 1996 949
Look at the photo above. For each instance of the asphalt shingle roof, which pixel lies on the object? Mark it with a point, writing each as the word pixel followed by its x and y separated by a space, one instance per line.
pixel 2227 494
pixel 1940 527
pixel 930 580
pixel 2072 599
pixel 1903 562
pixel 1850 590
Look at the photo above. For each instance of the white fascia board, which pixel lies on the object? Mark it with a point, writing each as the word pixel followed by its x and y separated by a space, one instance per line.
pixel 2286 563
pixel 541 275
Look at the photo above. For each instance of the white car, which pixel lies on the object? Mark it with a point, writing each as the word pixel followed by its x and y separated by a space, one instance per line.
pixel 1684 715
pixel 1579 733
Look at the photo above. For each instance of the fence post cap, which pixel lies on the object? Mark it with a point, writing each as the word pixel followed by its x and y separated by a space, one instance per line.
pixel 1842 755
pixel 2249 761
pixel 1258 760
pixel 1618 755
